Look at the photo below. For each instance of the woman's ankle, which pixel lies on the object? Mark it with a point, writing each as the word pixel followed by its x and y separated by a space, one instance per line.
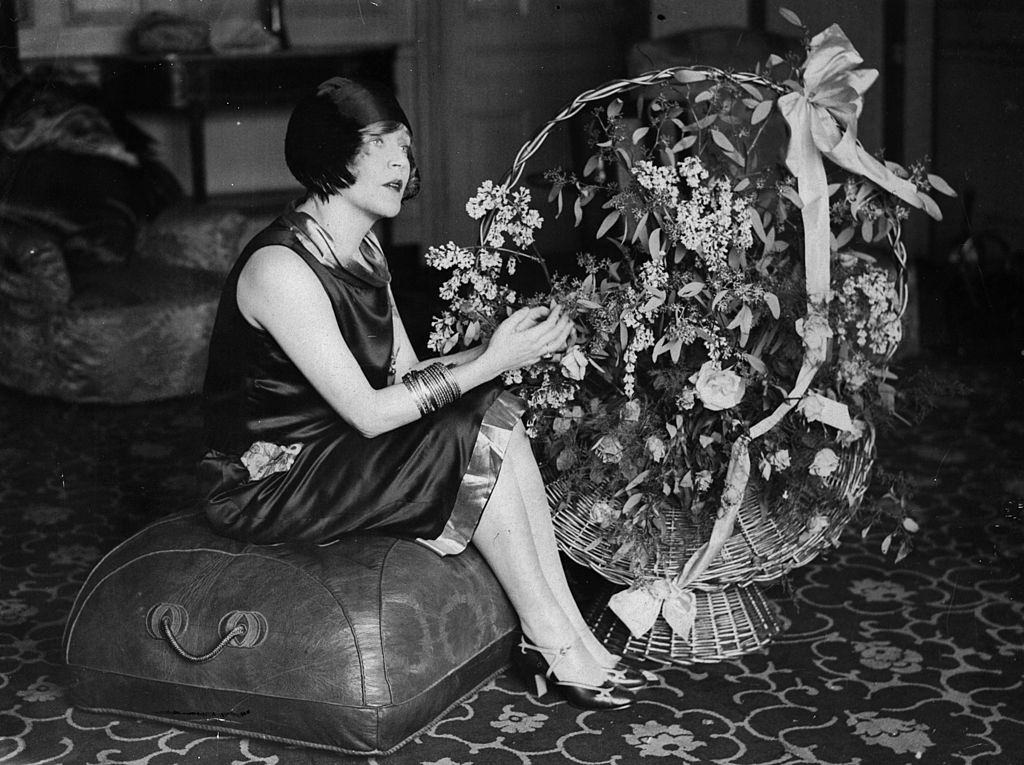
pixel 601 655
pixel 571 663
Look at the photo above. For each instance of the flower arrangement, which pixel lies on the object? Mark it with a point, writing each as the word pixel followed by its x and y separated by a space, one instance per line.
pixel 736 311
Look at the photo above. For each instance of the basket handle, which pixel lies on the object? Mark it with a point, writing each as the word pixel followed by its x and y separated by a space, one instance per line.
pixel 655 77
pixel 601 92
pixel 239 629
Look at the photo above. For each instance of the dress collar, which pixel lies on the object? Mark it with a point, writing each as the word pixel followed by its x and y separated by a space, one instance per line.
pixel 320 244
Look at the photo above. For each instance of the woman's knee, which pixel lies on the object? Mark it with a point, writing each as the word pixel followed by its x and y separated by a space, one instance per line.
pixel 519 445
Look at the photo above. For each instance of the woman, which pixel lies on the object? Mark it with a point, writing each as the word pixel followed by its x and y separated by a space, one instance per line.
pixel 322 421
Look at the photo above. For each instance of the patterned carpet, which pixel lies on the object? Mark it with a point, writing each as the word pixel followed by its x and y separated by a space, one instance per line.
pixel 921 661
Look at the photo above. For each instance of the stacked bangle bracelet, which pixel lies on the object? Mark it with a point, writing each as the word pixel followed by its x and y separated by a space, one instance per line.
pixel 432 387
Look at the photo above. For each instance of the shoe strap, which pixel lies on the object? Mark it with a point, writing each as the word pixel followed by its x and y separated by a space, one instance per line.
pixel 551 655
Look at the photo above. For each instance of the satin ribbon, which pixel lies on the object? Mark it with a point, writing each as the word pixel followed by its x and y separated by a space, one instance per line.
pixel 638 608
pixel 822 119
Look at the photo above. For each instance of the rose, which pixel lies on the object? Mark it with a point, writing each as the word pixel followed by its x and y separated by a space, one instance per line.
pixel 846 438
pixel 718 389
pixel 818 408
pixel 816 524
pixel 815 332
pixel 825 463
pixel 603 513
pixel 574 363
pixel 609 449
pixel 776 461
pixel 812 407
pixel 703 480
pixel 686 399
pixel 656 448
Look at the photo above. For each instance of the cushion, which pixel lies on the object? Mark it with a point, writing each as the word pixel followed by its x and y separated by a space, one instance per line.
pixel 34 279
pixel 116 334
pixel 354 647
pixel 204 237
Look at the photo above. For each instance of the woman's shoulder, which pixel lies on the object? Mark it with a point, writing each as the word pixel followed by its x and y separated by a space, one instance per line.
pixel 277 278
pixel 275 266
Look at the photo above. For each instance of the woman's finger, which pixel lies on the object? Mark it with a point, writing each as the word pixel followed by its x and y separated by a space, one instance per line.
pixel 519 315
pixel 555 333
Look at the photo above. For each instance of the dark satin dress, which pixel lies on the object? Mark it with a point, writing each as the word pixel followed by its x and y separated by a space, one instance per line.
pixel 283 466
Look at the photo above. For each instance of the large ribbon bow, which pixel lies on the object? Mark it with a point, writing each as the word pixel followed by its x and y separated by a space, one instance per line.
pixel 822 120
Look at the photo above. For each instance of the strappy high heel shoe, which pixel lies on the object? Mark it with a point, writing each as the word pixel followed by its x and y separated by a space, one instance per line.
pixel 542 665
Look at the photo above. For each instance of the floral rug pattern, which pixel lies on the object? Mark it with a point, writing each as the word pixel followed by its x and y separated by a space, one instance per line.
pixel 921 661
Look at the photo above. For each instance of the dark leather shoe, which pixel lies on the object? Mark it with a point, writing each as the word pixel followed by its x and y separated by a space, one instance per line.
pixel 540 667
pixel 630 678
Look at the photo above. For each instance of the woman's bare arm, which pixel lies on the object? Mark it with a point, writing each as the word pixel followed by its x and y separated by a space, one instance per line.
pixel 407 358
pixel 278 292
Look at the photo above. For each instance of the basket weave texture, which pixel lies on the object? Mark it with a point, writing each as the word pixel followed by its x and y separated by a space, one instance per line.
pixel 767 543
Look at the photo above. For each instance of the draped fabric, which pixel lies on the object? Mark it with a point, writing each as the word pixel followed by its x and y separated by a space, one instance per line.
pixel 429 479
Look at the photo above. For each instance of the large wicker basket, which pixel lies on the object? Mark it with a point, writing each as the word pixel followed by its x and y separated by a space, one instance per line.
pixel 733 616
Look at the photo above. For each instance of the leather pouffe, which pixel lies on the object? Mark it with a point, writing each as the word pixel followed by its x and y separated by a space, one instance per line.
pixel 354 647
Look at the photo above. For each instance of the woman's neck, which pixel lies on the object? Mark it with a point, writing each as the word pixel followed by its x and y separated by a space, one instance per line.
pixel 347 228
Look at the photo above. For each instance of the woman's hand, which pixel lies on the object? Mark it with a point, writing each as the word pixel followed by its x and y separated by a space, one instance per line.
pixel 526 336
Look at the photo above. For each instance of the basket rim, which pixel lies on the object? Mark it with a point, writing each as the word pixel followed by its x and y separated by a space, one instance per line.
pixel 741 561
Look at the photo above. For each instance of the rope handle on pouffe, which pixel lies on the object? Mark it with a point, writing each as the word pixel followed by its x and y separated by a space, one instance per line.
pixel 240 629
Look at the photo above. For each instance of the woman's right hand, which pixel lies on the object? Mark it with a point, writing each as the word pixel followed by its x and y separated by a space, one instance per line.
pixel 526 336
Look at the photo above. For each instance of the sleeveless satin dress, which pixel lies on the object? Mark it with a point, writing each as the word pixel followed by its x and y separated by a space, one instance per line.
pixel 282 465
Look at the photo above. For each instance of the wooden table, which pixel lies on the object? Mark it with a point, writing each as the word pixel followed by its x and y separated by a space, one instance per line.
pixel 194 84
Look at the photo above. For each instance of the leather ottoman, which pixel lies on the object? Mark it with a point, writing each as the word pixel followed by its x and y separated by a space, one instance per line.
pixel 354 647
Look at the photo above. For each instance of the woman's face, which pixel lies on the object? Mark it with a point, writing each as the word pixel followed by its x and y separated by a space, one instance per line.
pixel 381 171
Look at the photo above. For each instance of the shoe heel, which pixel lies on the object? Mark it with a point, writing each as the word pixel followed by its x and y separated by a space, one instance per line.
pixel 542 685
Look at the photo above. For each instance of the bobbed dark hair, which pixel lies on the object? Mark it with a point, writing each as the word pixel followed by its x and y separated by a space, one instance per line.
pixel 326 130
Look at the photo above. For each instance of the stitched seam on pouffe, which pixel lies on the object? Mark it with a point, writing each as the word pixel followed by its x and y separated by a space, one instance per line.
pixel 380 623
pixel 436 720
pixel 72 623
pixel 300 742
pixel 379 708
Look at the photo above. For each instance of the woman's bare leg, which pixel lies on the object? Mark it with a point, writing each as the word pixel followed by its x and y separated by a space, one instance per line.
pixel 505 538
pixel 531 486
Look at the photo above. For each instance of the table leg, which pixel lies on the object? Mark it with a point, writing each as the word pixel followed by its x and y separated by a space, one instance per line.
pixel 197 150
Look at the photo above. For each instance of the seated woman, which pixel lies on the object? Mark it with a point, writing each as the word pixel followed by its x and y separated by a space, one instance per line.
pixel 321 420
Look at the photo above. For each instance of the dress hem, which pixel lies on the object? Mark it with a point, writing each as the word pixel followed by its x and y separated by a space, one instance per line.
pixel 492 441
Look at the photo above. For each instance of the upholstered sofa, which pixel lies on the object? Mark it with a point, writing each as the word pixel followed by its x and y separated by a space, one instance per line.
pixel 121 333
